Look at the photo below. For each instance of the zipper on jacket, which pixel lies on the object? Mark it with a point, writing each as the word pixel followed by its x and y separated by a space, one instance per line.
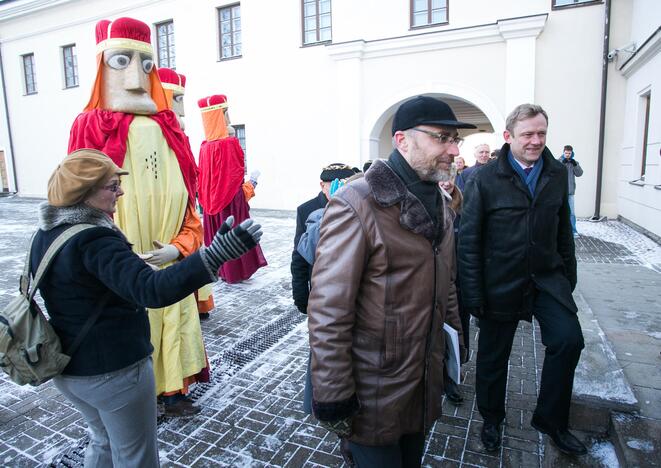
pixel 435 251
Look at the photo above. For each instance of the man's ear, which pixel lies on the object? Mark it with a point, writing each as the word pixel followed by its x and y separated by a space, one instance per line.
pixel 401 141
pixel 507 136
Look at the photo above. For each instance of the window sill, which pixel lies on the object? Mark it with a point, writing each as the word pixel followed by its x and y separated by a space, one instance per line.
pixel 70 87
pixel 228 59
pixel 426 26
pixel 576 5
pixel 313 44
pixel 31 94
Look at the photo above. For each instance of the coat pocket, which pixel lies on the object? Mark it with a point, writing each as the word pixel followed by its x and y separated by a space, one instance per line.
pixel 389 350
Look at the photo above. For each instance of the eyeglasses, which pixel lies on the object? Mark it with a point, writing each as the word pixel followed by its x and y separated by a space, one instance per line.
pixel 442 137
pixel 114 188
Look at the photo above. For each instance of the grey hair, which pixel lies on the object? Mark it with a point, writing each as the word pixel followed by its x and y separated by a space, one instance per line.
pixel 523 112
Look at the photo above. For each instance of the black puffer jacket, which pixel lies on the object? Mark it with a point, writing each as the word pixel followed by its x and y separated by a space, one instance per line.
pixel 511 242
pixel 97 262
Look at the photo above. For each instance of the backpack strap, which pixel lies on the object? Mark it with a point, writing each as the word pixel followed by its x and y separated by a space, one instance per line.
pixel 48 257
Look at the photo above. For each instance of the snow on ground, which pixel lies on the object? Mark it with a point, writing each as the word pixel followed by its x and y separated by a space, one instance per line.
pixel 642 247
pixel 604 453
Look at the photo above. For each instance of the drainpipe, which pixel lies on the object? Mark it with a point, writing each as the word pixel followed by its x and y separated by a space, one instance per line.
pixel 602 113
pixel 11 140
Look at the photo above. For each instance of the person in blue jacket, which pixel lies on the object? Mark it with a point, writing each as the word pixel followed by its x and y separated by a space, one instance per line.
pixel 110 378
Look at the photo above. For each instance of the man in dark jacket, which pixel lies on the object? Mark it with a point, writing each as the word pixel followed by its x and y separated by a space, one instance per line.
pixel 382 288
pixel 301 270
pixel 516 260
pixel 574 170
pixel 481 158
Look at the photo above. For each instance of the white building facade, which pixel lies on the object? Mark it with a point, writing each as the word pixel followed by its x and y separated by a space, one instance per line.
pixel 312 82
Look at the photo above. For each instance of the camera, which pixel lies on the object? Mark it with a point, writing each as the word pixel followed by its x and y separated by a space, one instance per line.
pixel 612 54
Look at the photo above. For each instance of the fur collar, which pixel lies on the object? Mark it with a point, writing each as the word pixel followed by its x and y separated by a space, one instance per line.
pixel 51 217
pixel 388 190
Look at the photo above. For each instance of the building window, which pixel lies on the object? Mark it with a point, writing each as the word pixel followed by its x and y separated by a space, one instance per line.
pixel 428 12
pixel 572 3
pixel 646 130
pixel 316 21
pixel 240 133
pixel 70 63
pixel 165 45
pixel 230 31
pixel 29 74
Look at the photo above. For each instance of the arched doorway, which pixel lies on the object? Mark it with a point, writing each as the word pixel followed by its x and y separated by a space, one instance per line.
pixel 468 106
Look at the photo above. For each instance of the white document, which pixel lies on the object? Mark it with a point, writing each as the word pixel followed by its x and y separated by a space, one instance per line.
pixel 452 354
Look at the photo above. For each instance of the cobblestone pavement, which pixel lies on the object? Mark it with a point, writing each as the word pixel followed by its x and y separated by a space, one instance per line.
pixel 251 411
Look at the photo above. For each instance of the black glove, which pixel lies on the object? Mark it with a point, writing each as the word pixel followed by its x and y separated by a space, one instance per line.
pixel 341 427
pixel 573 162
pixel 302 308
pixel 477 312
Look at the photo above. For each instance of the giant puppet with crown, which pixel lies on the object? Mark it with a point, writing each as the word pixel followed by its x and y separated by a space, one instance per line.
pixel 128 117
pixel 221 190
pixel 174 85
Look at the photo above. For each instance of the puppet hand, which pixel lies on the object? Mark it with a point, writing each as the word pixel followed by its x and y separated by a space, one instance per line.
pixel 163 254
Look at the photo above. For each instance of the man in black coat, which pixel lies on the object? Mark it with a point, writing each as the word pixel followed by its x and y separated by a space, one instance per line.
pixel 301 270
pixel 516 260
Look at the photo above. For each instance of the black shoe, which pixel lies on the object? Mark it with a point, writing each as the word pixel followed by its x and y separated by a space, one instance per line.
pixel 452 393
pixel 490 436
pixel 204 316
pixel 564 440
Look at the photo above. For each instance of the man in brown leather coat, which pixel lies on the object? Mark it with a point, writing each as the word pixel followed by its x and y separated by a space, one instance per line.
pixel 382 287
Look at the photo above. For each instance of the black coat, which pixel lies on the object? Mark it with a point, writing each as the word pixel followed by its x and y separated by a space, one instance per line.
pixel 89 265
pixel 301 270
pixel 511 243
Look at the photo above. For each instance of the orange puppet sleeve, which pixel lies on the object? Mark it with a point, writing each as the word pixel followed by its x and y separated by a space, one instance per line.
pixel 248 190
pixel 190 237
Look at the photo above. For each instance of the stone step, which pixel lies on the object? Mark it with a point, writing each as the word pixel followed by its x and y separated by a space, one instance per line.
pixel 600 385
pixel 602 453
pixel 636 439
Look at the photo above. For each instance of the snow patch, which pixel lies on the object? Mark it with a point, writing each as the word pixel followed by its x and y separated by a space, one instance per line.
pixel 642 445
pixel 604 453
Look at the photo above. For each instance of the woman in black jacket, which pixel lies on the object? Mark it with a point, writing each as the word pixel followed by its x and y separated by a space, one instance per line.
pixel 110 377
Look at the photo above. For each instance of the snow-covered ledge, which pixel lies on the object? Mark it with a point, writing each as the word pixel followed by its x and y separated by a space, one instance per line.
pixel 648 50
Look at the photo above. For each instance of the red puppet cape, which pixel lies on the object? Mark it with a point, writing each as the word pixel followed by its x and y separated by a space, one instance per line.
pixel 108 131
pixel 221 173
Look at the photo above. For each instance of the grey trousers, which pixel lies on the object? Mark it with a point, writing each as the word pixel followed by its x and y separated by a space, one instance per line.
pixel 120 411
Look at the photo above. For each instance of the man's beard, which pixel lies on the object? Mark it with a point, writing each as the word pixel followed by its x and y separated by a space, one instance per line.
pixel 432 174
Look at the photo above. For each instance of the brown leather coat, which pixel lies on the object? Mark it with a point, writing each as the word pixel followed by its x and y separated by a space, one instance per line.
pixel 382 287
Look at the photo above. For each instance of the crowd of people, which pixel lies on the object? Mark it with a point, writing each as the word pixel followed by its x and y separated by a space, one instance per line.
pixel 385 259
pixel 419 242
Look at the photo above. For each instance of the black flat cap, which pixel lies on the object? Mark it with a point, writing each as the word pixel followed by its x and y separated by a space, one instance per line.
pixel 336 171
pixel 425 110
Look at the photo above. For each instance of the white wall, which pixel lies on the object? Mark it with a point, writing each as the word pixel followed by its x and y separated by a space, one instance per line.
pixel 305 107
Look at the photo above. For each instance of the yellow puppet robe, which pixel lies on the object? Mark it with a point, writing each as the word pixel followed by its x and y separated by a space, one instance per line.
pixel 154 207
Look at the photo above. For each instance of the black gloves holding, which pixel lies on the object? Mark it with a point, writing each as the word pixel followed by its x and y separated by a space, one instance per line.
pixel 302 308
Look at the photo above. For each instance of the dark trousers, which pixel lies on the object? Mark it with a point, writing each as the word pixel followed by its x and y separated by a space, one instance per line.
pixel 407 453
pixel 563 338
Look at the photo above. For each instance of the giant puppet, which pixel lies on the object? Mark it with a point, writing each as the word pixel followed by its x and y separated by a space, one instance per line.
pixel 220 185
pixel 128 118
pixel 174 85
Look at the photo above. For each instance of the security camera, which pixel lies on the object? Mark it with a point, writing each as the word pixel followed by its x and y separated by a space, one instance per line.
pixel 612 54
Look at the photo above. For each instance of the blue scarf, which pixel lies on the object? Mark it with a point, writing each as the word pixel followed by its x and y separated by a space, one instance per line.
pixel 531 179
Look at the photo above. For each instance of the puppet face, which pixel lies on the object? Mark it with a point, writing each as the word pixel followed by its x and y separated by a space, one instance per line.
pixel 126 84
pixel 178 108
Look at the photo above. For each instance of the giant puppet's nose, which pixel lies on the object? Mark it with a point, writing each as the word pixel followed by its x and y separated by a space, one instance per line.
pixel 135 78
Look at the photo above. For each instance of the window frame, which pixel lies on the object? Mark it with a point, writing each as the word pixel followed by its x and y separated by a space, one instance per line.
pixel 318 26
pixel 241 128
pixel 429 11
pixel 171 61
pixel 33 74
pixel 575 5
pixel 647 99
pixel 231 33
pixel 74 57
